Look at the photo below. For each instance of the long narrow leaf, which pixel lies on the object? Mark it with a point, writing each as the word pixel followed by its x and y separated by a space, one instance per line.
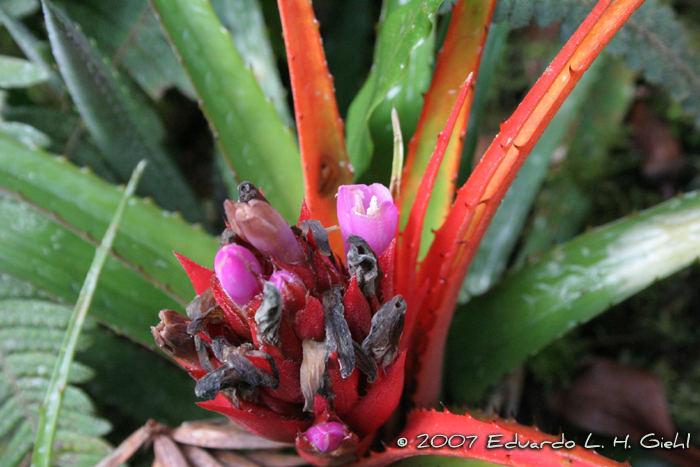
pixel 48 414
pixel 470 438
pixel 114 117
pixel 407 257
pixel 476 202
pixel 319 126
pixel 255 143
pixel 129 33
pixel 406 28
pixel 570 285
pixel 244 18
pixel 459 57
pixel 563 207
pixel 502 234
pixel 407 96
pixel 31 47
pixel 494 48
pixel 51 213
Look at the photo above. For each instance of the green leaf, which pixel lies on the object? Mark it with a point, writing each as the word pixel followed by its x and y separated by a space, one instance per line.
pixel 20 8
pixel 19 73
pixel 500 239
pixel 31 332
pixel 403 30
pixel 244 20
pixel 51 212
pixel 25 134
pixel 51 408
pixel 35 50
pixel 128 32
pixel 563 205
pixel 255 143
pixel 62 127
pixel 407 98
pixel 125 131
pixel 168 390
pixel 570 285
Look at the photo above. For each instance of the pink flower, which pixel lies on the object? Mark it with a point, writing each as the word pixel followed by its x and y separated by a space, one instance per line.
pixel 368 212
pixel 234 266
pixel 326 437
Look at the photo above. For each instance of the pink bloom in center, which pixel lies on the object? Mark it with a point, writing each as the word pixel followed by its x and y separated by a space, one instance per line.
pixel 368 212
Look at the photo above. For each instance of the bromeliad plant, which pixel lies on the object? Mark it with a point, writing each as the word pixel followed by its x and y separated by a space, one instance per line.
pixel 332 340
pixel 299 338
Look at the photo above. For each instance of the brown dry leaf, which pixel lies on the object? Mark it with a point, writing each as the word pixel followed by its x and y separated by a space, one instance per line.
pixel 616 400
pixel 168 453
pixel 198 457
pixel 663 156
pixel 276 459
pixel 233 459
pixel 130 445
pixel 220 436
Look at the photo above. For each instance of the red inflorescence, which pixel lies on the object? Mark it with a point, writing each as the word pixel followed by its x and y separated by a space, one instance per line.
pixel 306 351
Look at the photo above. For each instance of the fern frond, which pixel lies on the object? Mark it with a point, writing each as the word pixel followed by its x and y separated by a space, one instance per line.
pixel 31 333
pixel 656 43
pixel 545 12
pixel 653 42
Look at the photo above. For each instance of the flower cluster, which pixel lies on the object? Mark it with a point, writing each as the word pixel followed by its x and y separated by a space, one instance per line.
pixel 286 339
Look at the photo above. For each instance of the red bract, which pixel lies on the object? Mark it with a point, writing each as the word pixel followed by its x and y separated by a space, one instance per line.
pixel 321 346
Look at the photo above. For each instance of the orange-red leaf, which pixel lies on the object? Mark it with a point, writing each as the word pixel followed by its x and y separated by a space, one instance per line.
pixel 500 432
pixel 457 240
pixel 319 126
pixel 459 56
pixel 411 235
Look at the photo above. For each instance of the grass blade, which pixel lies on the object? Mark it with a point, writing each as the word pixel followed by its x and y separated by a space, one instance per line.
pixel 54 396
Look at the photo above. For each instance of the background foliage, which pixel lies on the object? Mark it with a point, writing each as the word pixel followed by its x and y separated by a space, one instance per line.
pixel 98 82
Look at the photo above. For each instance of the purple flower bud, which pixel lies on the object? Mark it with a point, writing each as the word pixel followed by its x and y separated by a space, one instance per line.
pixel 292 288
pixel 326 437
pixel 234 266
pixel 282 277
pixel 258 223
pixel 368 212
